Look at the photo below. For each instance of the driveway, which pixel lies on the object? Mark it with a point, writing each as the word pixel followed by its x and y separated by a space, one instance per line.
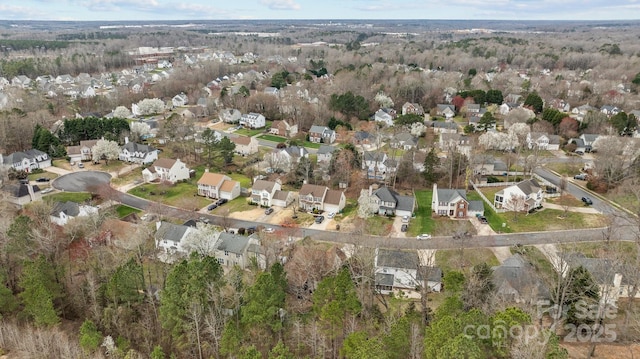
pixel 501 253
pixel 396 230
pixel 81 181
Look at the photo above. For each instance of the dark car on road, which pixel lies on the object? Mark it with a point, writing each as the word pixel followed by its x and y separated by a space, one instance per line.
pixel 268 211
pixel 319 219
pixel 43 179
pixel 212 206
pixel 483 219
pixel 587 201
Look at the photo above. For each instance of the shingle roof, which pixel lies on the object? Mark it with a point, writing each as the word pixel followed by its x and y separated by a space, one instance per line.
pixel 211 179
pixel 447 195
pixel 228 185
pixel 517 277
pixel 325 149
pixel 476 206
pixel 405 203
pixel 136 147
pixel 315 190
pixel 333 197
pixel 386 195
pixel 241 140
pixel 233 243
pixel 69 208
pixel 397 259
pixel 164 163
pixel 281 195
pixel 529 186
pixel 262 185
pixel 19 190
pixel 171 232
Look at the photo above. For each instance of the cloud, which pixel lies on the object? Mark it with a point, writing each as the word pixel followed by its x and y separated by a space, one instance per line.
pixel 281 4
pixel 11 12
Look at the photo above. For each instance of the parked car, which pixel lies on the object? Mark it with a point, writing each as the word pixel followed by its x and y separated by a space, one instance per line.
pixel 223 200
pixel 269 230
pixel 404 227
pixel 251 230
pixel 405 219
pixel 483 219
pixel 212 207
pixel 319 219
pixel 331 215
pixel 581 176
pixel 268 211
pixel 80 165
pixel 46 190
pixel 587 201
pixel 43 179
pixel 423 236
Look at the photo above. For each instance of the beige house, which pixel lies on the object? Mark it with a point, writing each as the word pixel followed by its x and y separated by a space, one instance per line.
pixel 81 152
pixel 245 145
pixel 314 197
pixel 216 185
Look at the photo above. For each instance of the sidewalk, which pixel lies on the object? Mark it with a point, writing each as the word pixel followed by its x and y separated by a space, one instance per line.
pixel 571 209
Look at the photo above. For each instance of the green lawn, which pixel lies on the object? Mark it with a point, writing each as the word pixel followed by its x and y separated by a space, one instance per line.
pixel 124 211
pixel 310 144
pixel 244 180
pixel 78 197
pixel 566 168
pixel 273 138
pixel 379 225
pixel 619 250
pixel 464 259
pixel 423 222
pixel 183 195
pixel 35 176
pixel 239 204
pixel 249 132
pixel 538 259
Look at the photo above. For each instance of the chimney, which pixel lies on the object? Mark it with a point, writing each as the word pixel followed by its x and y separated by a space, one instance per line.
pixel 206 170
pixel 370 190
pixel 126 140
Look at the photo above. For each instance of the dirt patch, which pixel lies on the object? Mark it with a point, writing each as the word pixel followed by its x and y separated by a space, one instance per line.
pixel 250 215
pixel 606 351
pixel 281 215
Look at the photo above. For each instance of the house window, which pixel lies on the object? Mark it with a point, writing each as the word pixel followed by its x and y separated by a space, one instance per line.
pixel 237 256
pixel 226 253
pixel 220 260
pixel 461 205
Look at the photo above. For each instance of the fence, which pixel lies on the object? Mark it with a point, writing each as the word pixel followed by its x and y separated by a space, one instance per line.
pixel 475 187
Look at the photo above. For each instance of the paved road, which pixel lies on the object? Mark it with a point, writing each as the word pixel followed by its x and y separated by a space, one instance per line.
pixel 82 181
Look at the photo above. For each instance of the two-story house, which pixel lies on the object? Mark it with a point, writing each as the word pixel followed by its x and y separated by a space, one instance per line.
pixel 400 270
pixel 63 212
pixel 522 196
pixel 404 141
pixel 245 145
pixel 543 141
pixel 82 152
pixel 412 109
pixel 389 202
pixel 378 165
pixel 383 116
pixel 444 127
pixel 216 185
pixel 263 191
pixel 325 153
pixel 283 128
pixel 449 202
pixel 285 159
pixel 238 250
pixel 180 100
pixel 321 134
pixel 171 238
pixel 446 110
pixel 26 161
pixel 315 197
pixel 165 169
pixel 253 120
pixel 230 115
pixel 137 153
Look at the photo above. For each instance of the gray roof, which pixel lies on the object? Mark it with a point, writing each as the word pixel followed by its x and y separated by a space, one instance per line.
pixel 326 149
pixel 233 243
pixel 71 209
pixel 499 165
pixel 19 190
pixel 443 107
pixel 135 147
pixel 434 274
pixel 281 195
pixel 554 139
pixel 529 186
pixel 602 270
pixel 19 156
pixel 476 206
pixel 397 259
pixel 516 277
pixel 362 135
pixel 386 195
pixel 406 203
pixel 447 195
pixel 374 156
pixel 323 130
pixel 261 185
pixel 405 137
pixel 447 125
pixel 171 232
pixel 296 151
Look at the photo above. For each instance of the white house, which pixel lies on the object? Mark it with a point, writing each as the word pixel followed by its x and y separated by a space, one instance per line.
pixel 245 145
pixel 166 169
pixel 171 237
pixel 543 141
pixel 398 270
pixel 26 161
pixel 389 202
pixel 449 202
pixel 522 196
pixel 383 116
pixel 253 120
pixel 179 100
pixel 404 141
pixel 137 153
pixel 378 165
pixel 215 185
pixel 262 192
pixel 62 213
pixel 325 153
pixel 446 110
pixel 412 109
pixel 285 158
pixel 239 250
pixel 230 115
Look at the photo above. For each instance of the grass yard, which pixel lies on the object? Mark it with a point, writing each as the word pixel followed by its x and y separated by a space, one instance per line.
pixel 566 200
pixel 127 178
pixel 378 225
pixel 78 197
pixel 310 144
pixel 464 259
pixel 566 168
pixel 35 176
pixel 273 138
pixel 538 259
pixel 239 204
pixel 490 192
pixel 183 195
pixel 124 211
pixel 550 220
pixel 244 180
pixel 423 222
pixel 616 250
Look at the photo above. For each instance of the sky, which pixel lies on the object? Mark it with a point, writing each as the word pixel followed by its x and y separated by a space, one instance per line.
pixel 111 10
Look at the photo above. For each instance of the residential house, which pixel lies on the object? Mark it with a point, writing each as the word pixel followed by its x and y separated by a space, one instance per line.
pixel 543 141
pixel 180 100
pixel 283 198
pixel 285 158
pixel 522 196
pixel 404 141
pixel 412 109
pixel 172 237
pixel 610 110
pixel 580 112
pixel 390 203
pixel 230 115
pixel 444 127
pixel 455 141
pixel 283 128
pixel 63 212
pixel 517 280
pixel 400 270
pixel 321 134
pixel 449 202
pixel 21 194
pixel 166 169
pixel 378 165
pixel 512 98
pixel 384 117
pixel 21 81
pixel 137 153
pixel 607 275
pixel 314 197
pixel 82 152
pixel 26 161
pixel 445 110
pixel 325 153
pixel 490 167
pixel 245 145
pixel 585 142
pixel 363 138
pixel 239 250
pixel 272 91
pixel 263 191
pixel 473 109
pixel 253 120
pixel 215 185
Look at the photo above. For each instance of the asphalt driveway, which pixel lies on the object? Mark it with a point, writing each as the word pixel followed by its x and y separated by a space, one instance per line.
pixel 81 181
